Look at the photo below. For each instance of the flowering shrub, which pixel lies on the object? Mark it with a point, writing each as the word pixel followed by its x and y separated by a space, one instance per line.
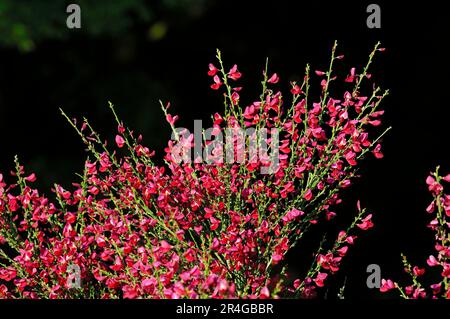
pixel 133 228
pixel 439 263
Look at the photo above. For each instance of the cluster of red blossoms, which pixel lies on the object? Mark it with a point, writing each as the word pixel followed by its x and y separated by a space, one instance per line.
pixel 439 262
pixel 136 229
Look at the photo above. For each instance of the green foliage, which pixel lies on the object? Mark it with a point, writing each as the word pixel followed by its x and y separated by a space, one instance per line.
pixel 23 25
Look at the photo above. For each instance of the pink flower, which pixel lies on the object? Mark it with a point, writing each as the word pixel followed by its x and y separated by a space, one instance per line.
pixel 366 223
pixel 291 215
pixel 212 70
pixel 129 292
pixel 386 285
pixel 320 278
pixel 273 79
pixel 350 78
pixel 276 258
pixel 265 293
pixel 431 208
pixel 375 122
pixel 296 90
pixel 430 180
pixel 436 288
pixel 214 223
pixel 342 251
pixel 165 246
pixel 120 141
pixel 171 119
pixel 446 271
pixel 235 98
pixel 329 262
pixel 308 195
pixel 433 185
pixel 31 178
pixel 350 156
pixel 8 274
pixel 148 283
pixel 118 265
pixel 432 261
pixel 419 293
pixel 234 74
pixel 217 83
pixel 377 151
pixel 101 242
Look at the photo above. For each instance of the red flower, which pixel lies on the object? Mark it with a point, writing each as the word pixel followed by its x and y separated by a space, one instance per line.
pixel 212 70
pixel 234 74
pixel 351 77
pixel 296 90
pixel 265 293
pixel 101 242
pixel 418 271
pixel 377 151
pixel 129 292
pixel 291 215
pixel 217 83
pixel 8 274
pixel 165 247
pixel 235 98
pixel 162 228
pixel 320 278
pixel 214 223
pixel 350 156
pixel 446 272
pixel 366 223
pixel 436 288
pixel 117 264
pixel 148 283
pixel 171 119
pixel 308 195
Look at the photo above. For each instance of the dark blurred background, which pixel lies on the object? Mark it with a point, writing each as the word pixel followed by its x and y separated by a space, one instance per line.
pixel 134 52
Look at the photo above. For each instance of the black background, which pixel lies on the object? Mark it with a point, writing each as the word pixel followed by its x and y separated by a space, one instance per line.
pixel 81 73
